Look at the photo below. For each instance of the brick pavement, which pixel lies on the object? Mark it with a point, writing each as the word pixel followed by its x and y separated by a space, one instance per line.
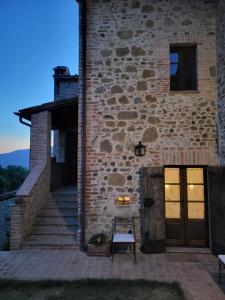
pixel 194 277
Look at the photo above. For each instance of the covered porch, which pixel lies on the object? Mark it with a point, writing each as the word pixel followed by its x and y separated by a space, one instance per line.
pixel 62 133
pixel 50 169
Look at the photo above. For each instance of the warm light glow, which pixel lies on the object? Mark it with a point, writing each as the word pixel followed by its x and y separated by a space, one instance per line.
pixel 172 193
pixel 194 187
pixel 196 193
pixel 123 200
pixel 195 175
pixel 172 210
pixel 172 175
pixel 196 210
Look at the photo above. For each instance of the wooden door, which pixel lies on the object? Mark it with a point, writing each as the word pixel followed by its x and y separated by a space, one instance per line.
pixel 185 206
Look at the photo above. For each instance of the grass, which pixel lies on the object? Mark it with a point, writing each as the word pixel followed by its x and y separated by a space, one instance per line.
pixel 90 289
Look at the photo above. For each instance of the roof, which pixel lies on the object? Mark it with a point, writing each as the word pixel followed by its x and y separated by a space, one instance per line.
pixel 63 112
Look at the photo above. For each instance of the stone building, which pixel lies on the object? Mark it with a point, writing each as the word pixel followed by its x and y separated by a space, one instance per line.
pixel 150 71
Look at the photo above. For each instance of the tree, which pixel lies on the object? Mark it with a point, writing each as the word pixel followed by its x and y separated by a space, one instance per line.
pixel 11 178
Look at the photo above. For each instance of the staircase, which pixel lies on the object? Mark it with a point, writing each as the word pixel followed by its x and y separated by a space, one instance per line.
pixel 56 225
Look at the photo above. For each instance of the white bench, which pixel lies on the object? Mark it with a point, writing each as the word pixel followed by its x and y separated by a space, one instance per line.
pixel 123 231
pixel 221 264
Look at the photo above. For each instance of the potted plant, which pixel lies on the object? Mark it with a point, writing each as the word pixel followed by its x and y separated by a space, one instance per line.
pixel 98 245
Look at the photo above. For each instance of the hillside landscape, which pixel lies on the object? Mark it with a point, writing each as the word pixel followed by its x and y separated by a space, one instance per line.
pixel 15 158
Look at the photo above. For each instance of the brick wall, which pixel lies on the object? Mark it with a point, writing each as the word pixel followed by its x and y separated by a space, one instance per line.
pixel 40 138
pixel 221 76
pixel 36 188
pixel 128 98
pixel 66 89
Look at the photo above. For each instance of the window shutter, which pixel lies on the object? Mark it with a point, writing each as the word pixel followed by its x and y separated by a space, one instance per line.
pixel 216 203
pixel 152 203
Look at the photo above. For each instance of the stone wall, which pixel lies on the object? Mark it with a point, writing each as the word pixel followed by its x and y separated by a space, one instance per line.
pixel 221 76
pixel 129 98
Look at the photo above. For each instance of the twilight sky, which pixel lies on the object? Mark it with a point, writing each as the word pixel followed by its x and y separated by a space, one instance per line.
pixel 35 36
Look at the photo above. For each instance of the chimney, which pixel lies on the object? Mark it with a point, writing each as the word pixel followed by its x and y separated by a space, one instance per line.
pixel 61 71
pixel 65 85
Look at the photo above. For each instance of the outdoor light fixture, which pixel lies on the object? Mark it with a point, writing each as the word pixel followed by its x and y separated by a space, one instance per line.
pixel 123 200
pixel 140 149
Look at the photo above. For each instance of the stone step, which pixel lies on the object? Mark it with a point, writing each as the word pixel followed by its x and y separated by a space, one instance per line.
pixel 203 250
pixel 74 247
pixel 56 225
pixel 62 192
pixel 54 235
pixel 60 204
pixel 56 220
pixel 55 230
pixel 64 199
pixel 50 242
pixel 64 212
pixel 53 239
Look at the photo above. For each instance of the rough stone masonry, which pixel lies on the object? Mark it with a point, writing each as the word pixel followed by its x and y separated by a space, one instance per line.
pixel 129 98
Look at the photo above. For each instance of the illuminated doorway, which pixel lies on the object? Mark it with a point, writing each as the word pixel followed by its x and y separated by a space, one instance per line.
pixel 185 206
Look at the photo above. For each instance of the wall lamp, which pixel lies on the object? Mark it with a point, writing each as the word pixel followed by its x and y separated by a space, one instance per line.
pixel 139 149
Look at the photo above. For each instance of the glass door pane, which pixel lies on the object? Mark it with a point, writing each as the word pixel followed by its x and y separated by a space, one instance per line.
pixel 172 193
pixel 173 210
pixel 196 210
pixel 195 193
pixel 172 175
pixel 195 175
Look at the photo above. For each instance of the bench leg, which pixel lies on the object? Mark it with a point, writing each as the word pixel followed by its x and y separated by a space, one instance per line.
pixel 112 251
pixel 134 251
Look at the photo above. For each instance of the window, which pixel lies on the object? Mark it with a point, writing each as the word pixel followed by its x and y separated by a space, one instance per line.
pixel 183 68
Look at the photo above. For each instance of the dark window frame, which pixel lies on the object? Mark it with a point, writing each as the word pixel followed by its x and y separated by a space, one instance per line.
pixel 187 78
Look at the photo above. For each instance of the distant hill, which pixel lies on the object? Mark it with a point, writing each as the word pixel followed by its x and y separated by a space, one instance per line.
pixel 16 158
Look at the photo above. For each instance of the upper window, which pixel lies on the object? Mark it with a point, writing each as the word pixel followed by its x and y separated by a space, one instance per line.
pixel 183 68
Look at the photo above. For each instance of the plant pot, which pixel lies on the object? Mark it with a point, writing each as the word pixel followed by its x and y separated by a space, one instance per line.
pixel 153 246
pixel 103 250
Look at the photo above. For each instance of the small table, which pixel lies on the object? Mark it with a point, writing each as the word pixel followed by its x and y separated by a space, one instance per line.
pixel 221 264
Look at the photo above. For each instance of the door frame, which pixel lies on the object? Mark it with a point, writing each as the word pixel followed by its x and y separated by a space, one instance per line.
pixel 178 242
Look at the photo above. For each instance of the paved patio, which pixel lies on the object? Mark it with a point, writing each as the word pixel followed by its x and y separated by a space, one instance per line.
pixel 195 277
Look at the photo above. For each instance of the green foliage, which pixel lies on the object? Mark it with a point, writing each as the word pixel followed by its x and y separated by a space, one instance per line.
pixel 11 178
pixel 98 239
pixel 90 289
